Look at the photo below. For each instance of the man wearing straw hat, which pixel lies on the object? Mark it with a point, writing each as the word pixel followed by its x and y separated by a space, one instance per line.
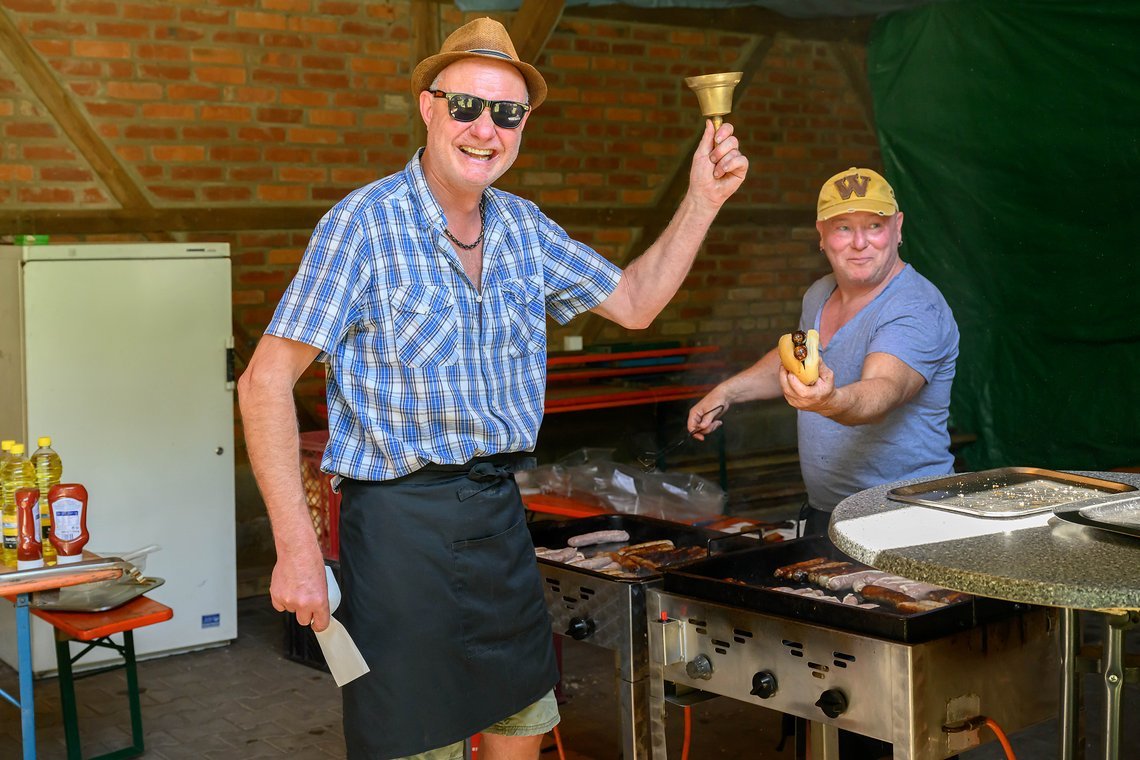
pixel 426 295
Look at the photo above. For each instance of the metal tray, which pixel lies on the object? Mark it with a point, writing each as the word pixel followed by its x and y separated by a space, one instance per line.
pixel 94 597
pixel 1119 514
pixel 1007 491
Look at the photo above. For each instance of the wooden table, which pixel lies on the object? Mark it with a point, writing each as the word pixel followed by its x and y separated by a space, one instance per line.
pixel 1036 559
pixel 21 584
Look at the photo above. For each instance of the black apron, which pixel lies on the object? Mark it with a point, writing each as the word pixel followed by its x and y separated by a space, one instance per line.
pixel 443 596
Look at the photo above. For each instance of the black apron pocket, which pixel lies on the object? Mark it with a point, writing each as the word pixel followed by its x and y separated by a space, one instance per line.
pixel 499 593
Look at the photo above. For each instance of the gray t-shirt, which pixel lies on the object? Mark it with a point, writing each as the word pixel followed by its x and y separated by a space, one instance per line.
pixel 911 321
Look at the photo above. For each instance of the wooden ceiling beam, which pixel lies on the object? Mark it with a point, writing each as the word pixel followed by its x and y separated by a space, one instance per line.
pixel 857 78
pixel 70 118
pixel 743 20
pixel 108 221
pixel 533 25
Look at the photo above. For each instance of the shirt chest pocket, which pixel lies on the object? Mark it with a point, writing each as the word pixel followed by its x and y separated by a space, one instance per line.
pixel 425 327
pixel 526 309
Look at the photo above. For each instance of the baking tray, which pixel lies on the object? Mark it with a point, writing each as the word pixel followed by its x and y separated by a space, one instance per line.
pixel 1119 514
pixel 94 597
pixel 1006 491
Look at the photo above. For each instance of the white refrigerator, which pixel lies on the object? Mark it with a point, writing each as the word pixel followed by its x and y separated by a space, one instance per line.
pixel 122 353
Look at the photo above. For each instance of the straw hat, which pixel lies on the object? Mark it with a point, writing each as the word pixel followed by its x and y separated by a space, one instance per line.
pixel 481 38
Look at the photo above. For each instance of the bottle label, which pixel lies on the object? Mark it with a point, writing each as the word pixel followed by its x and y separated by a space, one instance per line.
pixel 10 531
pixel 68 512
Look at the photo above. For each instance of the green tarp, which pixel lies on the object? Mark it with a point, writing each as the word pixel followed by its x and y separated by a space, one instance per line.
pixel 1011 134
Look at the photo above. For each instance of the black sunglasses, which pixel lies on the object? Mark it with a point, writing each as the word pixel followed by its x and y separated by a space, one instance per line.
pixel 505 113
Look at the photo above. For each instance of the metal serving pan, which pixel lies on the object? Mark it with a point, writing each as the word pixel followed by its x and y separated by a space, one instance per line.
pixel 1006 491
pixel 1119 513
pixel 94 597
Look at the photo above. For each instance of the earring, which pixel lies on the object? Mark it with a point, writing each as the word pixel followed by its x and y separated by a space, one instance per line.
pixel 900 244
pixel 821 250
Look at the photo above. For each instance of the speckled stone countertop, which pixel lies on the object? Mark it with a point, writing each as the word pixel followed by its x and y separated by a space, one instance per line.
pixel 1038 559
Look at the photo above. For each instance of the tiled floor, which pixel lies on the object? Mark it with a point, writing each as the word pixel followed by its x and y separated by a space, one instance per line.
pixel 246 700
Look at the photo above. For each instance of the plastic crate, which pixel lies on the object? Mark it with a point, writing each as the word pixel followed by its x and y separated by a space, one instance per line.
pixel 300 641
pixel 324 503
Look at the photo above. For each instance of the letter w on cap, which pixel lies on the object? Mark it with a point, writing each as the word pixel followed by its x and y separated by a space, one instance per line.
pixel 852 183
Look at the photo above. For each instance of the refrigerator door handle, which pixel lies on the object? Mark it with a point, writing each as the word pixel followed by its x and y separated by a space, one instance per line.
pixel 230 363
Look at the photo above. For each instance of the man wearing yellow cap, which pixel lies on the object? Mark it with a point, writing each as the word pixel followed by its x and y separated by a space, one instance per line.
pixel 426 294
pixel 889 344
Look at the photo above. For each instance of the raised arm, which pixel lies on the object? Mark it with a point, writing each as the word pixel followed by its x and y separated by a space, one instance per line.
pixel 652 279
pixel 269 416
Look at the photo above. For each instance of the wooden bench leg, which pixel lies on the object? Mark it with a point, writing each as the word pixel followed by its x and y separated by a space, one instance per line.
pixel 68 704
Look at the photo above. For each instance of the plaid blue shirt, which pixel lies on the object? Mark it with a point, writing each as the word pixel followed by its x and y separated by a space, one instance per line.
pixel 422 367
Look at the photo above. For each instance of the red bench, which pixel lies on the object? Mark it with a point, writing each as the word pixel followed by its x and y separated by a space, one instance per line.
pixel 96 629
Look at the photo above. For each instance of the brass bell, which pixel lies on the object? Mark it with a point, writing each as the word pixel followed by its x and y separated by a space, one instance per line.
pixel 714 93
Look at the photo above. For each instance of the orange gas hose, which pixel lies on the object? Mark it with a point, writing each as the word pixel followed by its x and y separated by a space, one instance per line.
pixel 688 732
pixel 1005 745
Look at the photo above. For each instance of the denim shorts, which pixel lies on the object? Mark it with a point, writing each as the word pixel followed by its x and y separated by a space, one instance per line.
pixel 534 720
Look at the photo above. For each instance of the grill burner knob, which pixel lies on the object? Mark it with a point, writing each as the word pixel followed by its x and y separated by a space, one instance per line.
pixel 833 702
pixel 764 684
pixel 699 667
pixel 580 628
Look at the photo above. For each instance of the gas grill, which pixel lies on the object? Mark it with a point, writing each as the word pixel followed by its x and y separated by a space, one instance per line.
pixel 719 627
pixel 609 611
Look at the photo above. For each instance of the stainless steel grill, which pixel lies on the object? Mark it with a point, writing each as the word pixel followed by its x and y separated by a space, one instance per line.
pixel 900 680
pixel 610 612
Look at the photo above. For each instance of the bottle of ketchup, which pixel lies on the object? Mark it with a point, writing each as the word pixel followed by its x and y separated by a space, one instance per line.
pixel 29 550
pixel 67 504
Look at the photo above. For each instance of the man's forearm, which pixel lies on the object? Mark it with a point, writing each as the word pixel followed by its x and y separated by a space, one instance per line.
pixel 760 381
pixel 652 279
pixel 270 420
pixel 864 402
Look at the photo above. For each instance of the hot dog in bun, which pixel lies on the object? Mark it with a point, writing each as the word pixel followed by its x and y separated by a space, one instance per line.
pixel 799 352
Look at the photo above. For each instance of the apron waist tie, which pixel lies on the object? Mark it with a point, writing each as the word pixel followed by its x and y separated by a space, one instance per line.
pixel 483 476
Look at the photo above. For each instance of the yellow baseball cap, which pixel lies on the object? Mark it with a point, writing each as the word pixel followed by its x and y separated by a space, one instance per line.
pixel 856 190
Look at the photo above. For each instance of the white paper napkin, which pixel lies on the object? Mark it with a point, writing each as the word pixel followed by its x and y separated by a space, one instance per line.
pixel 343 658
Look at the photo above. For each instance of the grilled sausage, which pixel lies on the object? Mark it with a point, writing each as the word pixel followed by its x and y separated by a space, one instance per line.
pixel 559 555
pixel 647 546
pixel 592 563
pixel 787 571
pixel 598 537
pixel 847 582
pixel 947 596
pixel 886 596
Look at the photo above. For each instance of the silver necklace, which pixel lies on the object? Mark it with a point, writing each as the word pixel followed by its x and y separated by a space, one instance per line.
pixel 478 240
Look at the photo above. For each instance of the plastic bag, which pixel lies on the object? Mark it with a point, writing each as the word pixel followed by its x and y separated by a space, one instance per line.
pixel 590 476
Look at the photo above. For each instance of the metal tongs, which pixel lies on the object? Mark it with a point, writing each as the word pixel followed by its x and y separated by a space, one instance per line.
pixel 649 459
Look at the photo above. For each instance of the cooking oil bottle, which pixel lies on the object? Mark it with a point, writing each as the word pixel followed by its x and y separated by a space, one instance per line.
pixel 49 470
pixel 5 518
pixel 18 473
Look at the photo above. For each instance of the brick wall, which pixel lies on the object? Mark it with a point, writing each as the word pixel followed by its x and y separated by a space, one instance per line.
pixel 261 102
